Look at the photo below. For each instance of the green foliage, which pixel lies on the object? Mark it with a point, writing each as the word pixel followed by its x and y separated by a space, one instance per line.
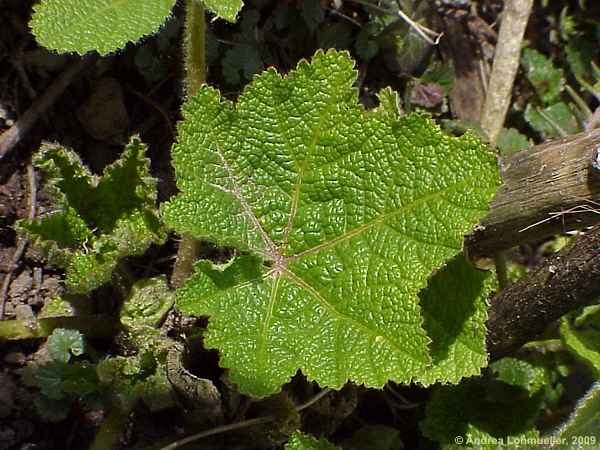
pixel 117 380
pixel 56 307
pixel 63 343
pixel 226 9
pixel 131 378
pixel 556 120
pixel 487 407
pixel 60 380
pixel 580 54
pixel 582 430
pixel 82 26
pixel 98 220
pixel 301 441
pixel 366 45
pixel 510 141
pixel 344 215
pixel 547 80
pixel 551 117
pixel 148 302
pixel 581 335
pixel 403 50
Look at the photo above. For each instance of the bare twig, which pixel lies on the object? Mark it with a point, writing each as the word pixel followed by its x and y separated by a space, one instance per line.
pixel 548 189
pixel 504 69
pixel 22 241
pixel 14 134
pixel 313 400
pixel 564 282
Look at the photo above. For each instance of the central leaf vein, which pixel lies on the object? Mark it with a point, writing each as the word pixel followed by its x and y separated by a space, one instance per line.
pixel 236 191
pixel 378 220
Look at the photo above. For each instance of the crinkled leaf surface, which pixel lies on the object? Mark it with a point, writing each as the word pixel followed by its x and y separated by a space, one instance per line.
pixel 547 80
pixel 344 214
pixel 97 220
pixel 301 441
pixel 81 26
pixel 148 302
pixel 454 307
pixel 227 9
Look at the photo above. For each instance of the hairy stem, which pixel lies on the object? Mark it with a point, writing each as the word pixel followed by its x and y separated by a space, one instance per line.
pixel 195 77
pixel 194 47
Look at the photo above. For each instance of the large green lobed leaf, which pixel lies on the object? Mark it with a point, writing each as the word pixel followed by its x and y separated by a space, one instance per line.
pixel 344 214
pixel 82 26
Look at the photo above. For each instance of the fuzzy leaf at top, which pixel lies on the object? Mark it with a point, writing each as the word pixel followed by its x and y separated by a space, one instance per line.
pixel 82 26
pixel 344 213
pixel 97 220
pixel 227 9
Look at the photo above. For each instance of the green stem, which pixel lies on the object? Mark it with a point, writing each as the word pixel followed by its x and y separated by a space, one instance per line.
pixel 100 326
pixel 195 43
pixel 195 77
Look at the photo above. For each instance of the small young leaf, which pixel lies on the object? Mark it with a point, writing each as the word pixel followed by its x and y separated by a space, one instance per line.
pixel 300 441
pixel 147 303
pixel 510 141
pixel 82 26
pixel 56 307
pixel 555 121
pixel 137 377
pixel 98 221
pixel 346 213
pixel 63 343
pixel 546 79
pixel 227 9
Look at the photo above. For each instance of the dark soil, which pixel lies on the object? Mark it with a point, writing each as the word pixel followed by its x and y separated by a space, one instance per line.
pixel 116 97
